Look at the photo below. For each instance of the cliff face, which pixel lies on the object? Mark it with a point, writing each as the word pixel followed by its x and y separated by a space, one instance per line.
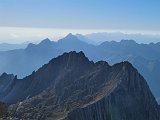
pixel 130 100
pixel 5 84
pixel 67 65
pixel 71 87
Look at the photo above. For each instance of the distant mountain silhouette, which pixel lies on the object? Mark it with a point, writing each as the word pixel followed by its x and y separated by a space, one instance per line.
pixel 101 37
pixel 87 40
pixel 34 56
pixel 70 87
pixel 145 57
pixel 6 46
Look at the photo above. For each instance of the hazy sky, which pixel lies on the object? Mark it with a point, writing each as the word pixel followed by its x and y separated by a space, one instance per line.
pixel 133 15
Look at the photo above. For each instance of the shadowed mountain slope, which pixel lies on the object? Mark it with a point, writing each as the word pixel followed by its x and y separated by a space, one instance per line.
pixel 145 57
pixel 71 87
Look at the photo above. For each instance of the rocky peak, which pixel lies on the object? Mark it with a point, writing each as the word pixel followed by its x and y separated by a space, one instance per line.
pixel 6 76
pixel 70 35
pixel 72 58
pixel 69 38
pixel 70 87
pixel 46 41
pixel 30 45
pixel 102 63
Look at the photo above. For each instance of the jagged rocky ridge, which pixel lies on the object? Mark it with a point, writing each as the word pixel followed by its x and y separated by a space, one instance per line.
pixel 145 57
pixel 70 87
pixel 5 84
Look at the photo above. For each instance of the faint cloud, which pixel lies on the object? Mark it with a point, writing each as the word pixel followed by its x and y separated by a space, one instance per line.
pixel 14 35
pixel 23 34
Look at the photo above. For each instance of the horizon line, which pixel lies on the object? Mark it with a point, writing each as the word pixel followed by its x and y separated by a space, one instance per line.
pixel 89 30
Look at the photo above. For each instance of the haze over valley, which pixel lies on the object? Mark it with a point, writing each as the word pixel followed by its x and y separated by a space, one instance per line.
pixel 79 60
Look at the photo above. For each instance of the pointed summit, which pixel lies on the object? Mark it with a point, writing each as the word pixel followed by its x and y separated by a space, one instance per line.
pixel 70 37
pixel 72 41
pixel 72 58
pixel 30 45
pixel 45 41
pixel 42 45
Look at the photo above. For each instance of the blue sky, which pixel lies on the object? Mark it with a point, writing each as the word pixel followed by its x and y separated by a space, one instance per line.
pixel 23 20
pixel 81 14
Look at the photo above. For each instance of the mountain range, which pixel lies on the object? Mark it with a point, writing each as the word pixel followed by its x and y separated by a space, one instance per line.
pixel 71 87
pixel 100 37
pixel 7 46
pixel 145 57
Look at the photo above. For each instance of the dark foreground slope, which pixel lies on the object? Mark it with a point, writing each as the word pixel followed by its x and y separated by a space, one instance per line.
pixel 3 109
pixel 70 87
pixel 6 81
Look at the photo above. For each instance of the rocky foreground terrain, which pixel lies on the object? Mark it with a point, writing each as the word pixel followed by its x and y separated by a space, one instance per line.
pixel 70 87
pixel 3 109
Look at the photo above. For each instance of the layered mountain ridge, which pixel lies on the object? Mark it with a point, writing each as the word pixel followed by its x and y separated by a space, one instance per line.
pixel 145 57
pixel 70 87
